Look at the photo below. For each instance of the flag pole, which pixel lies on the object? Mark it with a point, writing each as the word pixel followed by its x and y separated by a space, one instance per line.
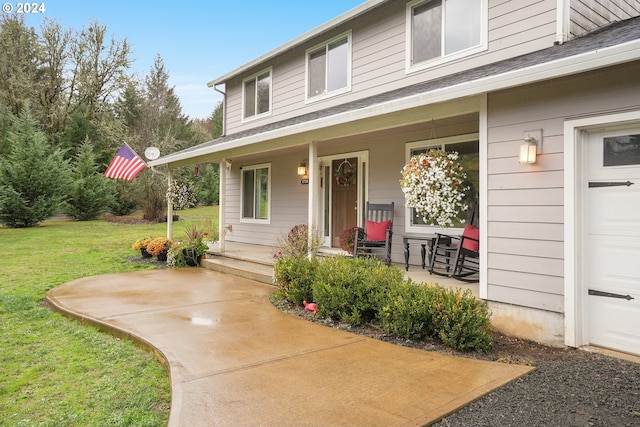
pixel 134 152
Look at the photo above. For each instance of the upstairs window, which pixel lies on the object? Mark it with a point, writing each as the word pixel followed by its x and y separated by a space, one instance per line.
pixel 440 29
pixel 329 68
pixel 257 95
pixel 256 193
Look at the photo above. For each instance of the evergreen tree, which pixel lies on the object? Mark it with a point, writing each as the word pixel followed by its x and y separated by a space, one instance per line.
pixel 34 177
pixel 91 193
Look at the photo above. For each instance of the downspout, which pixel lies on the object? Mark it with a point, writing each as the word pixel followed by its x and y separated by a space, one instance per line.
pixel 224 109
pixel 563 19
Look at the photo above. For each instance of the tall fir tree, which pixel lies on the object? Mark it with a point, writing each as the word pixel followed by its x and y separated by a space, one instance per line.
pixel 34 177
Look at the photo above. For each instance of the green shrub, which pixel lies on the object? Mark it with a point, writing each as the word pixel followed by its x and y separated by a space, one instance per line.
pixel 407 310
pixel 461 321
pixel 294 277
pixel 351 290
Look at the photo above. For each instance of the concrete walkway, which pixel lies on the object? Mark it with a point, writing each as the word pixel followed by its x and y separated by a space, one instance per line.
pixel 235 359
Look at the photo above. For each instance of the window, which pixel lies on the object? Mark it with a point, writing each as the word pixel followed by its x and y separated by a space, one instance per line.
pixel 329 68
pixel 256 193
pixel 467 147
pixel 621 150
pixel 257 94
pixel 444 28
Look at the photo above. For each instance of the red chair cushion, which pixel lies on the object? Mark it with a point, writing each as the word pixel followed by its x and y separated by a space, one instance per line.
pixel 474 233
pixel 377 230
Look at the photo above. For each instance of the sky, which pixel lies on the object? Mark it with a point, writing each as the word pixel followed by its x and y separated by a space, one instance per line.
pixel 198 40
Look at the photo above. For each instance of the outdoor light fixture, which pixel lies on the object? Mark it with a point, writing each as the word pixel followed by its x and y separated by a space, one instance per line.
pixel 302 169
pixel 528 150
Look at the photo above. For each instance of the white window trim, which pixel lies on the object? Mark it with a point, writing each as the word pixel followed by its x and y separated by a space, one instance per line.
pixel 412 68
pixel 307 98
pixel 255 220
pixel 253 77
pixel 439 142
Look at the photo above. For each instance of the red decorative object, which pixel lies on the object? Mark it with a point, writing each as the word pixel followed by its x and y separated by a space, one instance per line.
pixel 377 230
pixel 473 233
pixel 310 306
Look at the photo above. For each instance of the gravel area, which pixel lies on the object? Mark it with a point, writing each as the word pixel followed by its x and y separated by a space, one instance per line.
pixel 568 388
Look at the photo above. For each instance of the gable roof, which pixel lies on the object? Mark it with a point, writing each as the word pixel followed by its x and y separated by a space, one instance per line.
pixel 611 45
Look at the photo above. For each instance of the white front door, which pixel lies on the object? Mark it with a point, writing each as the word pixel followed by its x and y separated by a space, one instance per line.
pixel 611 263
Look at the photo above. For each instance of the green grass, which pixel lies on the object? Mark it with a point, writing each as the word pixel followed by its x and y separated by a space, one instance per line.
pixel 58 372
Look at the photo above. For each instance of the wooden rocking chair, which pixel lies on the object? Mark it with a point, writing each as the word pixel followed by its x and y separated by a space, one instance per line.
pixel 378 232
pixel 458 256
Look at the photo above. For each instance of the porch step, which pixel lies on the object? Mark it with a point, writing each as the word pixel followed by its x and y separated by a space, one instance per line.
pixel 257 271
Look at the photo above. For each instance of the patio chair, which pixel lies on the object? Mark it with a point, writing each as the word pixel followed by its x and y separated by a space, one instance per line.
pixel 378 232
pixel 458 256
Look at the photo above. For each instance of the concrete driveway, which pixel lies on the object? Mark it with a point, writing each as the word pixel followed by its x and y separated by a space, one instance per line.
pixel 235 359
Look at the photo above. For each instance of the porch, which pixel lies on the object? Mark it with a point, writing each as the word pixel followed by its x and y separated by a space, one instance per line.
pixel 256 262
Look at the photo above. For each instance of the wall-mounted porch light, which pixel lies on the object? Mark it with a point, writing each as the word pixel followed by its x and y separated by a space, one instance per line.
pixel 528 150
pixel 531 146
pixel 302 169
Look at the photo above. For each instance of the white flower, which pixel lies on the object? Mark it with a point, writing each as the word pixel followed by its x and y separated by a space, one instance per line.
pixel 181 195
pixel 433 185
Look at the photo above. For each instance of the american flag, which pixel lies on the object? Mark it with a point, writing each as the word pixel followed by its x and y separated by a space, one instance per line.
pixel 125 165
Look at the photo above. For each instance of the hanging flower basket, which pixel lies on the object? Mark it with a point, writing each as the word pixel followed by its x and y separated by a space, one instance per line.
pixel 181 195
pixel 433 185
pixel 345 174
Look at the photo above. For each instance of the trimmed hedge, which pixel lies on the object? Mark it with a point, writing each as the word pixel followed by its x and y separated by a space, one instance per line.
pixel 351 290
pixel 363 290
pixel 294 277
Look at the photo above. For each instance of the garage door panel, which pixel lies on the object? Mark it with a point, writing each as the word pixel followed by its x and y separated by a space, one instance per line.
pixel 611 263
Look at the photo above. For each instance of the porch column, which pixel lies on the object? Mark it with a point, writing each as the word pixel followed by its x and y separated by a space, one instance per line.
pixel 169 206
pixel 222 198
pixel 314 172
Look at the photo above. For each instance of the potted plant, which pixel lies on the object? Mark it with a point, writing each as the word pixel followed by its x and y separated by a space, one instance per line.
pixel 190 251
pixel 347 238
pixel 141 245
pixel 159 247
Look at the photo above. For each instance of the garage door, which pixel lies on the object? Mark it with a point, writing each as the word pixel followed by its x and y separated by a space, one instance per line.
pixel 611 262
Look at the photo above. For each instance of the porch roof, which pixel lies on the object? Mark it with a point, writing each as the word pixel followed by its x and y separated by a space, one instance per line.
pixel 615 44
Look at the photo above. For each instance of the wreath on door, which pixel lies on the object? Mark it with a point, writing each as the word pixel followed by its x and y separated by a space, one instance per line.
pixel 345 173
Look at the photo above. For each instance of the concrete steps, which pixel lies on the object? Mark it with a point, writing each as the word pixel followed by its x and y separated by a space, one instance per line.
pixel 248 269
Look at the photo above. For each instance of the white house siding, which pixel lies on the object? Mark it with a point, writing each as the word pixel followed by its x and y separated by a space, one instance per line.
pixel 587 15
pixel 288 199
pixel 378 57
pixel 525 202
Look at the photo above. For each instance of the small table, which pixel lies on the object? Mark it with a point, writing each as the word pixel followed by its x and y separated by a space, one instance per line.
pixel 425 240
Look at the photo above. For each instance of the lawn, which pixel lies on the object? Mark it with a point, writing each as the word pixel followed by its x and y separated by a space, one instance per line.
pixel 59 372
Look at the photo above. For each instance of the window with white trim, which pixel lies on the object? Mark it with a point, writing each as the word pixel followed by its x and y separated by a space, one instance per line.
pixel 256 193
pixel 467 147
pixel 444 29
pixel 256 95
pixel 329 68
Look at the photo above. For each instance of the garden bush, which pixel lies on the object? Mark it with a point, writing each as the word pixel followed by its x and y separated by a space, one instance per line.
pixel 365 290
pixel 461 321
pixel 351 290
pixel 456 317
pixel 407 310
pixel 294 277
